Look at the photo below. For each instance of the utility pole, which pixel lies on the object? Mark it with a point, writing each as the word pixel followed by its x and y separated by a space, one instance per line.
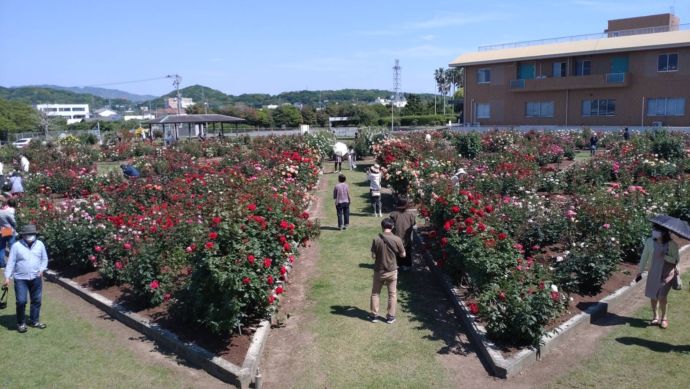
pixel 396 89
pixel 177 79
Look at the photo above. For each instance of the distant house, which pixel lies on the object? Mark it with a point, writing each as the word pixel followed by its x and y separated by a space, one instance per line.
pixel 172 102
pixel 147 116
pixel 272 106
pixel 637 72
pixel 398 104
pixel 73 113
pixel 105 112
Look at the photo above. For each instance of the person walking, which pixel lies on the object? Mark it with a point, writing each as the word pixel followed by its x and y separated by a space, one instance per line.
pixel 661 253
pixel 352 158
pixel 25 266
pixel 338 164
pixel 385 248
pixel 341 195
pixel 7 227
pixel 593 142
pixel 626 134
pixel 405 220
pixel 374 176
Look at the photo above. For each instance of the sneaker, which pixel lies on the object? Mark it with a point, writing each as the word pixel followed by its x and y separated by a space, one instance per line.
pixel 345 228
pixel 38 325
pixel 21 328
pixel 374 319
pixel 390 319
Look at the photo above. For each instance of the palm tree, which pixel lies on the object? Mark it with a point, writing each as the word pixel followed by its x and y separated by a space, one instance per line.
pixel 441 76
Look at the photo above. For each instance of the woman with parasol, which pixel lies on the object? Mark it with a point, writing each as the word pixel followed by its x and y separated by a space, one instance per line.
pixel 662 254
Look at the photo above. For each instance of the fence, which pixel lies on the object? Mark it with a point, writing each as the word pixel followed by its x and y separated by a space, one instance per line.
pixel 52 134
pixel 479 128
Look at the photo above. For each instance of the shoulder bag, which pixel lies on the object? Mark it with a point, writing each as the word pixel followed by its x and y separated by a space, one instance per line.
pixel 3 298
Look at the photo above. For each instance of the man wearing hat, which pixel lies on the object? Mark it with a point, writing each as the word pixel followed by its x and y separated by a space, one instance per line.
pixel 26 264
pixel 404 219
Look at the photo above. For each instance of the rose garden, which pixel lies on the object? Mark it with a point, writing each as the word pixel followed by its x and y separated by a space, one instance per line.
pixel 525 224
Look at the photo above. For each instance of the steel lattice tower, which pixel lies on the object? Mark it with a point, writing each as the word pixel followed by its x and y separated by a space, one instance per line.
pixel 396 89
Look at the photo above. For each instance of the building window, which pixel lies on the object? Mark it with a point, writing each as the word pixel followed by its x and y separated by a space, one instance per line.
pixel 583 68
pixel 560 69
pixel 484 76
pixel 666 107
pixel 601 107
pixel 667 63
pixel 483 111
pixel 543 109
pixel 79 109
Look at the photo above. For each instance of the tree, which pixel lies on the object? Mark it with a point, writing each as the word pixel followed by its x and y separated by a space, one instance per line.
pixel 414 106
pixel 264 118
pixel 308 116
pixel 16 116
pixel 443 84
pixel 287 115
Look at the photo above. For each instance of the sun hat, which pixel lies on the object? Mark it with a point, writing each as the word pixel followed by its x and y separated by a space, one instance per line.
pixel 28 229
pixel 374 169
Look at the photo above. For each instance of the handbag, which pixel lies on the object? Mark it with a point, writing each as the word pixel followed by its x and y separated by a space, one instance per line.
pixel 677 283
pixel 3 298
pixel 6 232
pixel 376 193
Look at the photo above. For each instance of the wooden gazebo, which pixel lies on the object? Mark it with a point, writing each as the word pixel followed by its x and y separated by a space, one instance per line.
pixel 192 121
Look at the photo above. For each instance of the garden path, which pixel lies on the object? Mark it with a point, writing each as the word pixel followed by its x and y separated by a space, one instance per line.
pixel 327 342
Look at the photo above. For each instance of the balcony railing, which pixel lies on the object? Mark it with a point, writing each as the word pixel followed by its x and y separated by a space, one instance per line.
pixel 591 81
pixel 615 78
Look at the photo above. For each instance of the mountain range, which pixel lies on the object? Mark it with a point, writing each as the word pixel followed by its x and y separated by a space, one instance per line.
pixel 100 97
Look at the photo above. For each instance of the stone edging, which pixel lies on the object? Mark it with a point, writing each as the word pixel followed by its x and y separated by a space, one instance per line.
pixel 492 357
pixel 240 376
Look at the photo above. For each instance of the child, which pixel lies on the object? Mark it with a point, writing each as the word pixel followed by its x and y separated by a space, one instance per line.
pixel 352 158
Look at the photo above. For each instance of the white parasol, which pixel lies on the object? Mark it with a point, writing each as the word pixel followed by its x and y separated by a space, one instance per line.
pixel 340 149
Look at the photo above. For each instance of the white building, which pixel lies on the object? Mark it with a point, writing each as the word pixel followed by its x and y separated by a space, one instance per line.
pixel 146 116
pixel 186 102
pixel 74 113
pixel 105 112
pixel 398 104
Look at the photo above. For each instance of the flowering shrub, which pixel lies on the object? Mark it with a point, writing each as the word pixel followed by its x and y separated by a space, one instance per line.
pixel 589 264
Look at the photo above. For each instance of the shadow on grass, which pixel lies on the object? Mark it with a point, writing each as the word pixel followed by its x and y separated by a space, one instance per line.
pixel 9 321
pixel 350 311
pixel 611 319
pixel 660 347
pixel 329 228
pixel 366 265
pixel 427 306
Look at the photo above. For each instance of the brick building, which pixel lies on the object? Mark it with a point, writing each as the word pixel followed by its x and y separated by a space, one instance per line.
pixel 637 73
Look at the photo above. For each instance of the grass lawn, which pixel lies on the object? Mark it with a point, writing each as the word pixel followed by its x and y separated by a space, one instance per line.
pixel 640 356
pixel 582 155
pixel 71 353
pixel 350 351
pixel 103 168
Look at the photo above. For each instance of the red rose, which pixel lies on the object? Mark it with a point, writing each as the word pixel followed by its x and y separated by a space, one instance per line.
pixel 469 221
pixel 444 241
pixel 193 246
pixel 283 270
pixel 246 280
pixel 502 236
pixel 267 262
pixel 284 224
pixel 502 296
pixel 541 285
pixel 455 209
pixel 127 246
pixel 269 279
pixel 98 249
pixel 474 308
pixel 279 290
pixel 271 299
pixel 92 258
pixel 209 245
pixel 305 215
pixel 286 246
pixel 481 227
pixel 291 259
pixel 555 296
pixel 469 230
pixel 251 207
pixel 153 229
pixel 213 235
pixel 167 297
pixel 216 220
pixel 118 265
pixel 251 259
pixel 154 284
pixel 489 208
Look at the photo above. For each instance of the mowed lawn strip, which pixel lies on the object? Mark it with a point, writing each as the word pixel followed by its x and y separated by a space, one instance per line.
pixel 71 353
pixel 350 350
pixel 640 356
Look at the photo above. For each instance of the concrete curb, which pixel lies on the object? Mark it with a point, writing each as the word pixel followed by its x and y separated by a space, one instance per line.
pixel 218 367
pixel 491 355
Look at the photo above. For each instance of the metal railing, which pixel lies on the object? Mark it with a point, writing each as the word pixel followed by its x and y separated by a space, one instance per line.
pixel 574 38
pixel 517 84
pixel 615 78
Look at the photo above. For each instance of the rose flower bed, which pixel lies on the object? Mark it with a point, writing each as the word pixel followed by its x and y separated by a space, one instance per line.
pixel 521 235
pixel 212 238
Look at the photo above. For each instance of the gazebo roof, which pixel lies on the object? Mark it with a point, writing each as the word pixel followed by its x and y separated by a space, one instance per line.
pixel 210 118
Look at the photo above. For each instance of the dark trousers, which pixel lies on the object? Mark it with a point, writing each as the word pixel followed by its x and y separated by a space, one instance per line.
pixel 343 210
pixel 34 290
pixel 338 166
pixel 407 261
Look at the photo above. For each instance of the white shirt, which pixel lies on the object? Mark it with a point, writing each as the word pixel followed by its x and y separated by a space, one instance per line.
pixel 26 262
pixel 24 163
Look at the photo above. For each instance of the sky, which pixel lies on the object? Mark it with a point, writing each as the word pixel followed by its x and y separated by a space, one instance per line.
pixel 276 46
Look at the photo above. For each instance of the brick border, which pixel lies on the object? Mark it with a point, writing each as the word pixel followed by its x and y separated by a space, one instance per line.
pixel 240 376
pixel 493 358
